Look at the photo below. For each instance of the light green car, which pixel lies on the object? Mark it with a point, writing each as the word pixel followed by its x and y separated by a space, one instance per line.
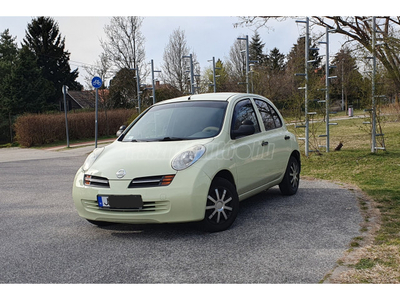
pixel 188 159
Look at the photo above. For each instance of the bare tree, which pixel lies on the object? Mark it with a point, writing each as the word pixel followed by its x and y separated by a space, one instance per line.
pixel 237 60
pixel 101 68
pixel 125 44
pixel 358 29
pixel 174 65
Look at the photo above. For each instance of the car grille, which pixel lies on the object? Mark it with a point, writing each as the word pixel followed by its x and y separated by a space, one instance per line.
pixel 148 206
pixel 151 181
pixel 96 181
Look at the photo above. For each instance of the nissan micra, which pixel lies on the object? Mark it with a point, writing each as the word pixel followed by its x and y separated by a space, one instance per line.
pixel 192 158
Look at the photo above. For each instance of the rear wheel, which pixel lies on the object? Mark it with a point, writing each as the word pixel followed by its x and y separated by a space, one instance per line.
pixel 291 179
pixel 222 206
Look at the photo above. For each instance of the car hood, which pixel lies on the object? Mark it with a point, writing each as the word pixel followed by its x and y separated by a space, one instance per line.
pixel 140 159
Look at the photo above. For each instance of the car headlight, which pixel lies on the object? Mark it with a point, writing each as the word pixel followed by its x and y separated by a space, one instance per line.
pixel 187 158
pixel 92 158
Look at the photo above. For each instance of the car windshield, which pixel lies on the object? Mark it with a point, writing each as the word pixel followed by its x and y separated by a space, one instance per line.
pixel 179 121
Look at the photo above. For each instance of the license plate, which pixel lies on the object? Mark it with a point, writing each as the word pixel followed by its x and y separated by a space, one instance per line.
pixel 120 201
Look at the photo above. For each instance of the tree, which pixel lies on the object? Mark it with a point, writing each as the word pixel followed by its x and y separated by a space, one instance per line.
pixel 350 81
pixel 174 65
pixel 8 47
pixel 101 68
pixel 44 39
pixel 125 44
pixel 236 65
pixel 25 90
pixel 276 60
pixel 256 49
pixel 8 56
pixel 123 89
pixel 358 30
pixel 221 77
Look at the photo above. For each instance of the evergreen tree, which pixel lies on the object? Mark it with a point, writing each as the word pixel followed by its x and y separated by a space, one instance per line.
pixel 25 89
pixel 256 49
pixel 44 39
pixel 276 60
pixel 8 56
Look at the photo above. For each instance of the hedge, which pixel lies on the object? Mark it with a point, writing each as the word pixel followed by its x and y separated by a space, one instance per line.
pixel 40 129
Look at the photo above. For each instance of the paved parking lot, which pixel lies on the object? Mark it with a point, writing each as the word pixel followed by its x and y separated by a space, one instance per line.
pixel 275 239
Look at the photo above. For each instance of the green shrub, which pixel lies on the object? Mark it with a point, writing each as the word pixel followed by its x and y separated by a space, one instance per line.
pixel 39 129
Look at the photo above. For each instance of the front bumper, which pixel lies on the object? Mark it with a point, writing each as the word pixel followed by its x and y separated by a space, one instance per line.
pixel 184 200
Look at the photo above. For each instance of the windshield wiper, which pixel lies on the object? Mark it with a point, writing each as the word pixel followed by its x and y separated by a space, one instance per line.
pixel 168 138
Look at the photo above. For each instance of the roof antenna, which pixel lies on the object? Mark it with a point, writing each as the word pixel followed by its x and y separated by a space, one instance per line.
pixel 189 97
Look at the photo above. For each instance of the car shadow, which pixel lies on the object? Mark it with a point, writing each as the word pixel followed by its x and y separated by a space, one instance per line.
pixel 248 209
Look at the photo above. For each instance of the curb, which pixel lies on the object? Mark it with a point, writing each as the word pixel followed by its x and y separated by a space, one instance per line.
pixel 92 143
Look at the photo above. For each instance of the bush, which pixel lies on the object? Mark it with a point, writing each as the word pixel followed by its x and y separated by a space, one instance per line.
pixel 39 129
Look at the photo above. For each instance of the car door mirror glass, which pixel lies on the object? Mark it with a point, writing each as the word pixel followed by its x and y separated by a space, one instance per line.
pixel 121 129
pixel 243 130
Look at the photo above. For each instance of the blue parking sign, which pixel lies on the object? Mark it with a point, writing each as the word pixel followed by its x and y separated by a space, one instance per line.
pixel 96 82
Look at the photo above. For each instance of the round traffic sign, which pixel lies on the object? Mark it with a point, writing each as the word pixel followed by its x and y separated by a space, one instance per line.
pixel 96 82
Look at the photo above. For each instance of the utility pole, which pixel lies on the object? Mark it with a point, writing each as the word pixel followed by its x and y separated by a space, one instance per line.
pixel 374 147
pixel 65 91
pixel 138 87
pixel 192 75
pixel 152 81
pixel 214 84
pixel 247 61
pixel 327 81
pixel 373 131
pixel 305 88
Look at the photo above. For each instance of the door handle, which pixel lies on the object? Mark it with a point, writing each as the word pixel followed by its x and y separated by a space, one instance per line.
pixel 287 137
pixel 264 143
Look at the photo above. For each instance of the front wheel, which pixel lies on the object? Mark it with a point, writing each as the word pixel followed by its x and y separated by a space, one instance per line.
pixel 291 179
pixel 222 206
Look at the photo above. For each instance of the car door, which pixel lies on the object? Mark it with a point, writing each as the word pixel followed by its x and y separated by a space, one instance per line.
pixel 247 149
pixel 276 142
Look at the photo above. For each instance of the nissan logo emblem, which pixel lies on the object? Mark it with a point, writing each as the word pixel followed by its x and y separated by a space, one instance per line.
pixel 121 173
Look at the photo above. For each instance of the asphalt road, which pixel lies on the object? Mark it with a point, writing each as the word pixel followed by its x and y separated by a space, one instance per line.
pixel 275 239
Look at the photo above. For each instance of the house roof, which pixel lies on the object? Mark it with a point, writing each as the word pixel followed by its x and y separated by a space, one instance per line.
pixel 87 99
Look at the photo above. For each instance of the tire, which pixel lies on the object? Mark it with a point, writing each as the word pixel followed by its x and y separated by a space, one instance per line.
pixel 291 179
pixel 100 223
pixel 222 206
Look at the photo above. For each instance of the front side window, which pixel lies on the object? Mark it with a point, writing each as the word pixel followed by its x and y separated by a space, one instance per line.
pixel 269 116
pixel 244 114
pixel 179 121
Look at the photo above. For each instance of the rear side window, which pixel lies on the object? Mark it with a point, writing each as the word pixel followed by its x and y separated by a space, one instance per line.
pixel 269 116
pixel 244 114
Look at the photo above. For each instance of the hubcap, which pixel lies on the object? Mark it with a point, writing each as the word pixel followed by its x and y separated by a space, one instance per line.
pixel 294 175
pixel 220 209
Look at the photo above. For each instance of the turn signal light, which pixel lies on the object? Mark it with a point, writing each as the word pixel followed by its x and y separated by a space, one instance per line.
pixel 167 179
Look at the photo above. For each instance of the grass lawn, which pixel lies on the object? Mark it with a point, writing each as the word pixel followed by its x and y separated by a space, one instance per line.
pixel 376 174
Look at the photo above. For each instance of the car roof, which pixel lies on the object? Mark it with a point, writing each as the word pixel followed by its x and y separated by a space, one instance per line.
pixel 208 97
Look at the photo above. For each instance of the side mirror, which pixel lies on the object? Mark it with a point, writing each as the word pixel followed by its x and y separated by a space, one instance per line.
pixel 243 130
pixel 121 130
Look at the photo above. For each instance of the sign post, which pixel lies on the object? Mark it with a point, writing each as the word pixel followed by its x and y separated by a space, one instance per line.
pixel 96 83
pixel 65 91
